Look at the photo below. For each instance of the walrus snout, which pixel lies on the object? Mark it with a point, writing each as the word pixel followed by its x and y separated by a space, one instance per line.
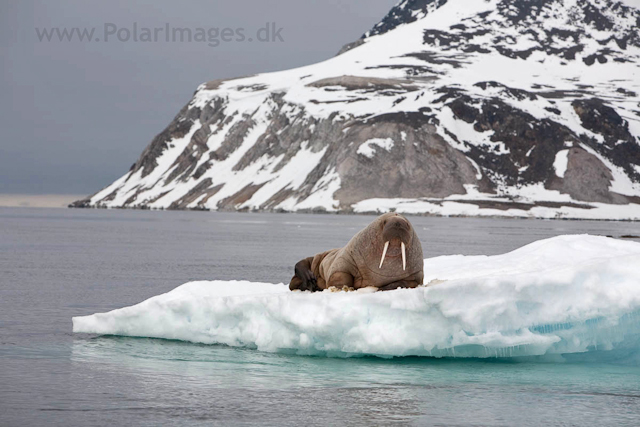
pixel 403 251
pixel 397 232
pixel 396 227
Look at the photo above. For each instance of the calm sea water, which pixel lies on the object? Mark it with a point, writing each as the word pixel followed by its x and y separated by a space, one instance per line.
pixel 56 263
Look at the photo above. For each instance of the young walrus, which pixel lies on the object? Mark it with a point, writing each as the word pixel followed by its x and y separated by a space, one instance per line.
pixel 386 254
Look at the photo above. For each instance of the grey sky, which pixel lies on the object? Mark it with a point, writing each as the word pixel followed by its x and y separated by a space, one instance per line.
pixel 75 115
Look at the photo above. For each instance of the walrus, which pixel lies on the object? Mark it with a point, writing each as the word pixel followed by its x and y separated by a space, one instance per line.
pixel 386 254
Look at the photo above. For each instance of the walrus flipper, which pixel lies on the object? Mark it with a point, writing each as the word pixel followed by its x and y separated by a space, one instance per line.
pixel 340 280
pixel 304 278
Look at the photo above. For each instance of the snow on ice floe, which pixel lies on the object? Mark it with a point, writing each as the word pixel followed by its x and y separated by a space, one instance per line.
pixel 566 294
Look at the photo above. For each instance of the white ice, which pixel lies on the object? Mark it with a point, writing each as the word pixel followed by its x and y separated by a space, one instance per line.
pixel 566 294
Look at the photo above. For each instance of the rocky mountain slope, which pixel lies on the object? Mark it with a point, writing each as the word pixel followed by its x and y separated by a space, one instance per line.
pixel 452 107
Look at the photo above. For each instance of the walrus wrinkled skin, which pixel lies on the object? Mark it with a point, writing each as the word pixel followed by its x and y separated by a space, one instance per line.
pixel 373 257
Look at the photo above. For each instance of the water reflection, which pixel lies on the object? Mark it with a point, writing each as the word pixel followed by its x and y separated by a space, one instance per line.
pixel 221 365
pixel 245 385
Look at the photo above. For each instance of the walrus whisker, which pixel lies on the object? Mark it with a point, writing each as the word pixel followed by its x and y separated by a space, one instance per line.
pixel 384 253
pixel 404 256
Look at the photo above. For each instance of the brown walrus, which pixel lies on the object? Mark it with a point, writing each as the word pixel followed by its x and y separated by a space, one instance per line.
pixel 386 254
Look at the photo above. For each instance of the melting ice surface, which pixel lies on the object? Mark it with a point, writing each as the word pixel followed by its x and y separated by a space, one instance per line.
pixel 566 294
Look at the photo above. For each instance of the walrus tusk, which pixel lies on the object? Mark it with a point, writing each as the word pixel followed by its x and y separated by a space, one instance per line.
pixel 384 253
pixel 404 256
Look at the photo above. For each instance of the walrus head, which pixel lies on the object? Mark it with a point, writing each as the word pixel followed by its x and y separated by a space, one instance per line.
pixel 396 235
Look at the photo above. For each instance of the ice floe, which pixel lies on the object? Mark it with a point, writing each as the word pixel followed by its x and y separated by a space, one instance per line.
pixel 566 294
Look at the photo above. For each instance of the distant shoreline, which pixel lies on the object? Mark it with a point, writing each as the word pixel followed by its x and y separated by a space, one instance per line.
pixel 38 200
pixel 351 212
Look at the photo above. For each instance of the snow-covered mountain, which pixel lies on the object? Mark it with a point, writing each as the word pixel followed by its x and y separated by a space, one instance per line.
pixel 453 107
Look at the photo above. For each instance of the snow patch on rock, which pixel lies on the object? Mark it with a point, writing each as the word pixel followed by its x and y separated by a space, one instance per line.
pixel 560 163
pixel 368 148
